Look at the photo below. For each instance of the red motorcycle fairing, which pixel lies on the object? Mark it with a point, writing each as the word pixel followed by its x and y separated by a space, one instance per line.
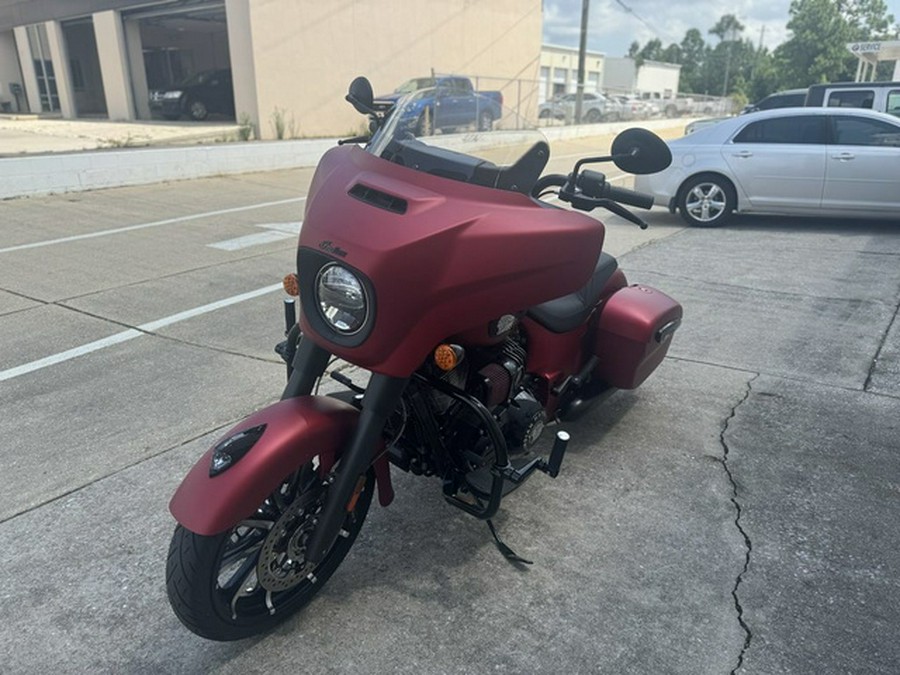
pixel 442 256
pixel 297 430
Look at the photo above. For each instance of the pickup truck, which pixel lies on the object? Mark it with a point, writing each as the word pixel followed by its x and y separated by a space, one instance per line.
pixel 446 103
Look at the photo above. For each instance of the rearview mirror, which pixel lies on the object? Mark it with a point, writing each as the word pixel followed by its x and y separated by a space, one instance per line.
pixel 640 151
pixel 361 96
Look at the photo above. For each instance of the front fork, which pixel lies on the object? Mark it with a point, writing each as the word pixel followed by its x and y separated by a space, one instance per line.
pixel 380 400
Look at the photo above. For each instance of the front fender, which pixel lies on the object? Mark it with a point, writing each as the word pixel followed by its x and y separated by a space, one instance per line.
pixel 297 430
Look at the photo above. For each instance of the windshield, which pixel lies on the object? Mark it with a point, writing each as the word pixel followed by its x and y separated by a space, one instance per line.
pixel 471 139
pixel 414 85
pixel 197 79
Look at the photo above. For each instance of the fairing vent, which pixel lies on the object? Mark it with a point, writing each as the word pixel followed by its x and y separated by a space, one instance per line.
pixel 377 198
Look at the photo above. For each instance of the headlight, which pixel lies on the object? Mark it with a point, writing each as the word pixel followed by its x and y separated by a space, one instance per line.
pixel 342 299
pixel 172 94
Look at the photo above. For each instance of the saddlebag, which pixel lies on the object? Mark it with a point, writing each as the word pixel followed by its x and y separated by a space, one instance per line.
pixel 634 332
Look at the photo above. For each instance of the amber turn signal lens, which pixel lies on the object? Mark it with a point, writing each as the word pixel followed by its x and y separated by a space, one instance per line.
pixel 447 357
pixel 291 285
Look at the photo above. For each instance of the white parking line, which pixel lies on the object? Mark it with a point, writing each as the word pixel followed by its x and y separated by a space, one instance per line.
pixel 132 333
pixel 249 240
pixel 275 232
pixel 142 226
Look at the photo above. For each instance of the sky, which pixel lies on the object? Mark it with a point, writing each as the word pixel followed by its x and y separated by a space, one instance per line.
pixel 614 24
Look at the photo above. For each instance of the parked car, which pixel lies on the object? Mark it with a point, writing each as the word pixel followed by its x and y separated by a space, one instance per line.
pixel 780 99
pixel 199 95
pixel 446 103
pixel 696 125
pixel 629 108
pixel 800 161
pixel 880 96
pixel 594 108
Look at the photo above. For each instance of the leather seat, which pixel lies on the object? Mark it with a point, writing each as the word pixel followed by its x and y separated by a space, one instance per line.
pixel 568 312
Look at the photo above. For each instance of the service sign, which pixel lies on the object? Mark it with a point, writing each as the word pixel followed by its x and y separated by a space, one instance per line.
pixel 864 47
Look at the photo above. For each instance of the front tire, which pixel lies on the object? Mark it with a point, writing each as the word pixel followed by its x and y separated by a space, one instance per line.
pixel 198 111
pixel 246 580
pixel 592 116
pixel 707 200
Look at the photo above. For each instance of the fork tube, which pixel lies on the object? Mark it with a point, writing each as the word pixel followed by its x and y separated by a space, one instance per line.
pixel 309 363
pixel 380 400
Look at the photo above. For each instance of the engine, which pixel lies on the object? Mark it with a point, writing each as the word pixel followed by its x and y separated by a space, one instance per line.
pixel 504 392
pixel 496 377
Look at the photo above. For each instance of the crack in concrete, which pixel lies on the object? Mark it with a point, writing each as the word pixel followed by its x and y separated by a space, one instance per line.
pixel 748 545
pixel 881 343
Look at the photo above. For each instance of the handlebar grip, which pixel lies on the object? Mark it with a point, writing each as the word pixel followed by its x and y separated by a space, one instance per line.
pixel 625 196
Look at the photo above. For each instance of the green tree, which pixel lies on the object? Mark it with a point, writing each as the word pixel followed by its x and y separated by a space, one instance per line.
pixel 820 31
pixel 728 29
pixel 652 51
pixel 693 55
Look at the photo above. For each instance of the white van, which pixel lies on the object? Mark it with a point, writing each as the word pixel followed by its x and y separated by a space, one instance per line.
pixel 880 96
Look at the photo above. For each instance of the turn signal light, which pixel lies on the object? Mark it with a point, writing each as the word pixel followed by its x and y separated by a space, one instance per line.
pixel 447 357
pixel 291 285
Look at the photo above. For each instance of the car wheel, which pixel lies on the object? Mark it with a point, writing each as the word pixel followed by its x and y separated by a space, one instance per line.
pixel 485 121
pixel 197 110
pixel 544 114
pixel 707 200
pixel 592 116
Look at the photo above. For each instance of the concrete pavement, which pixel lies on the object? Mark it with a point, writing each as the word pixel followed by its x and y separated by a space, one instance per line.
pixel 738 512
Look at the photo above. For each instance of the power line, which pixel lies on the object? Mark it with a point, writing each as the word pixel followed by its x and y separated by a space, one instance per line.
pixel 638 17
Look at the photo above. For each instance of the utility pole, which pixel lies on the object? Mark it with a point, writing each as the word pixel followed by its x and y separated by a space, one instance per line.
pixel 728 61
pixel 762 34
pixel 582 48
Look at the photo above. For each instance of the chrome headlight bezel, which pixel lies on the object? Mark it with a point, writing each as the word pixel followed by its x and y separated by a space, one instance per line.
pixel 330 308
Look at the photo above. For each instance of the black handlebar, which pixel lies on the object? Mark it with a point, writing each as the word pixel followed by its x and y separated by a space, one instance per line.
pixel 587 190
pixel 625 196
pixel 594 184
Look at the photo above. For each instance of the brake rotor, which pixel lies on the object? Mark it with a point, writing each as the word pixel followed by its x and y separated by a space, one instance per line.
pixel 282 560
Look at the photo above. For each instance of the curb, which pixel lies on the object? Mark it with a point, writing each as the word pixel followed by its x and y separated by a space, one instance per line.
pixel 94 170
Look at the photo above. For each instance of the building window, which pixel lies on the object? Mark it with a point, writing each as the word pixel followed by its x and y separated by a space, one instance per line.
pixel 77 74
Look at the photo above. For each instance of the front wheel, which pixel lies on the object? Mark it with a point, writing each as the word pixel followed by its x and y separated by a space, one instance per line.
pixel 246 580
pixel 707 201
pixel 197 110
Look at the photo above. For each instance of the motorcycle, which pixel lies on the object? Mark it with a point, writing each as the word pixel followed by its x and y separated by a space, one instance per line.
pixel 483 314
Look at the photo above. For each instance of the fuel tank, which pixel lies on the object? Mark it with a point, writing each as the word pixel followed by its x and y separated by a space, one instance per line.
pixel 438 256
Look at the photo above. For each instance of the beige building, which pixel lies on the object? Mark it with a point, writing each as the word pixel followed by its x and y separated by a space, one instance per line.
pixel 283 62
pixel 618 75
pixel 559 71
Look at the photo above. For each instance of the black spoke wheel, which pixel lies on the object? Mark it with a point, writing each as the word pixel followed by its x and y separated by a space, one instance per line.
pixel 246 580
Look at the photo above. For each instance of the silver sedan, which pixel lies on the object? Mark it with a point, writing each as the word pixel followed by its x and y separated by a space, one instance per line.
pixel 799 161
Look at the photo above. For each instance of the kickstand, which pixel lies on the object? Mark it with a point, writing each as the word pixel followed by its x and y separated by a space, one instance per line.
pixel 507 552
